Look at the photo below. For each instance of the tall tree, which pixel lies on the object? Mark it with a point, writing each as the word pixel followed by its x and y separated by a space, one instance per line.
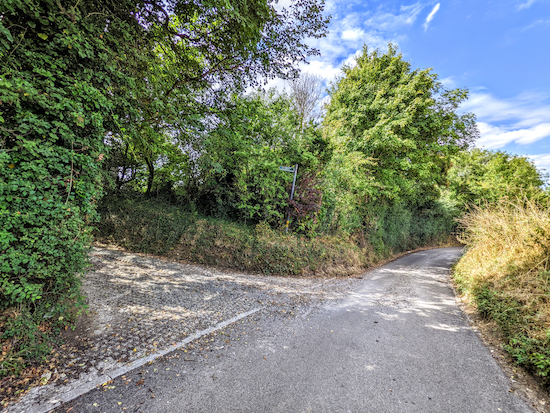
pixel 400 119
pixel 306 92
pixel 478 176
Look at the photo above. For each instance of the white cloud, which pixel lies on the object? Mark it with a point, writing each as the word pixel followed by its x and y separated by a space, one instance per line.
pixel 432 14
pixel 494 137
pixel 351 60
pixel 353 34
pixel 323 69
pixel 448 82
pixel 536 23
pixel 542 161
pixel 386 21
pixel 525 110
pixel 330 6
pixel 526 5
pixel 276 83
pixel 349 31
pixel 413 10
pixel 282 4
pixel 524 119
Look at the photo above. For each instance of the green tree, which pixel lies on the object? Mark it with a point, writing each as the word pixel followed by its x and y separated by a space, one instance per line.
pixel 399 119
pixel 238 160
pixel 393 130
pixel 478 176
pixel 204 52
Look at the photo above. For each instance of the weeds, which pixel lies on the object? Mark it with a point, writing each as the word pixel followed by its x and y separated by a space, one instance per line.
pixel 505 273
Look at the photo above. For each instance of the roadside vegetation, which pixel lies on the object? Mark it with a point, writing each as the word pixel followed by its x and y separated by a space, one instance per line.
pixel 506 229
pixel 143 124
pixel 505 273
pixel 158 227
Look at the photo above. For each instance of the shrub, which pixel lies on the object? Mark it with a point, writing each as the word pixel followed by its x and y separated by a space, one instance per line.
pixel 154 227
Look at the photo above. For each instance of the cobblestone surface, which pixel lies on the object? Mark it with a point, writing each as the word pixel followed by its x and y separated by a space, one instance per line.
pixel 140 305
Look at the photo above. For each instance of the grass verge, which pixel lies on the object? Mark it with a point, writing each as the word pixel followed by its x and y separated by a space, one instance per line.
pixel 505 273
pixel 153 227
pixel 163 229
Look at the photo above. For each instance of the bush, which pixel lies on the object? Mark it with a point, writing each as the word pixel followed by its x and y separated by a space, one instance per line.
pixel 397 227
pixel 505 273
pixel 153 227
pixel 56 87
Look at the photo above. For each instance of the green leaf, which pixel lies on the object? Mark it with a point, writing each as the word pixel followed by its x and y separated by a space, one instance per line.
pixel 43 36
pixel 6 33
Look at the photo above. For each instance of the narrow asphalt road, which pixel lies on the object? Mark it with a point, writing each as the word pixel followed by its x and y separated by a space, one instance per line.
pixel 397 343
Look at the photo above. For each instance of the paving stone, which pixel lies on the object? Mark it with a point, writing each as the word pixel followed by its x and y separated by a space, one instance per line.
pixel 140 305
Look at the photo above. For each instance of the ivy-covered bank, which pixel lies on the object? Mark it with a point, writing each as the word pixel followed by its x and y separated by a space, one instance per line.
pixel 59 87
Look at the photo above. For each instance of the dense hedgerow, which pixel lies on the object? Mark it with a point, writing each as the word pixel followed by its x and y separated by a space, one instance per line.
pixel 157 227
pixel 151 226
pixel 57 71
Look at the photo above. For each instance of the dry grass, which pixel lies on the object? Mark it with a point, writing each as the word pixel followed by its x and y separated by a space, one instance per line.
pixel 269 251
pixel 161 229
pixel 505 272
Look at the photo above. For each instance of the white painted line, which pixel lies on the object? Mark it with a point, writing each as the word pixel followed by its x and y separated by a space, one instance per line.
pixel 85 387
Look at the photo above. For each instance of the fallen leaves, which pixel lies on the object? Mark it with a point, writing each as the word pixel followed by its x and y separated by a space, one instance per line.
pixel 45 378
pixel 13 387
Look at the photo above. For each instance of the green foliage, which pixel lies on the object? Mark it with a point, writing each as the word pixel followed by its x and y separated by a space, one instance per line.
pixel 201 54
pixel 237 168
pixel 23 339
pixel 56 74
pixel 224 163
pixel 159 228
pixel 396 227
pixel 481 176
pixel 512 317
pixel 400 121
pixel 392 130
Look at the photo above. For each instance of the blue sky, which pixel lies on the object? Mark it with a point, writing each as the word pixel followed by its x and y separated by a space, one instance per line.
pixel 499 50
